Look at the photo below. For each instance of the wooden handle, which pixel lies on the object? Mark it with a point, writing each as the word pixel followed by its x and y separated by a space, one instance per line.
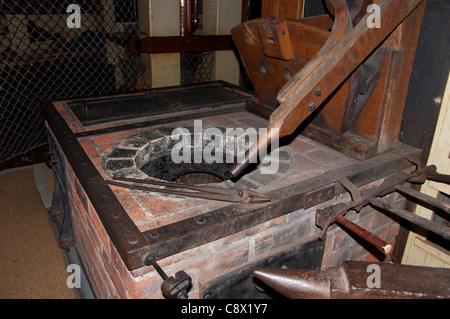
pixel 365 234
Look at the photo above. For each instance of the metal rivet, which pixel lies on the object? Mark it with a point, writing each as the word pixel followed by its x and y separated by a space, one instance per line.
pixel 262 68
pixel 311 106
pixel 283 32
pixel 154 235
pixel 317 92
pixel 132 240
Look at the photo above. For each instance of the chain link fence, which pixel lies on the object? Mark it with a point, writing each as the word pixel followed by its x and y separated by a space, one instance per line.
pixel 196 67
pixel 45 55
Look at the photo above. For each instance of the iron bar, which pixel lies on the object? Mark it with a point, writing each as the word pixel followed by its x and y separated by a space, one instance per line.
pixel 434 227
pixel 424 198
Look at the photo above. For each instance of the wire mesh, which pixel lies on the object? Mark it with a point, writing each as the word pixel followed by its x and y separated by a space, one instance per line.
pixel 45 55
pixel 196 67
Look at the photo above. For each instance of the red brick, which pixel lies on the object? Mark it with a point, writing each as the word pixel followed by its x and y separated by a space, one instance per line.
pixel 127 134
pixel 251 122
pixel 157 206
pixel 365 220
pixel 148 288
pixel 223 262
pixel 336 258
pixel 393 231
pixel 324 157
pixel 89 148
pixel 359 253
pixel 305 164
pixel 80 193
pixel 106 138
pixel 117 279
pixel 100 229
pixel 301 145
pixel 342 239
pixel 107 146
pixel 130 205
pixel 381 219
pixel 162 220
pixel 371 258
pixel 98 165
pixel 222 122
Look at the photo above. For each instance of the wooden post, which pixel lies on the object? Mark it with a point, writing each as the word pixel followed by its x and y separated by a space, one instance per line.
pixel 219 17
pixel 160 18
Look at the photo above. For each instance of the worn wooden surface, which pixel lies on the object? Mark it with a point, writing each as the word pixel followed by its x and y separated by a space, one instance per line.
pixel 327 61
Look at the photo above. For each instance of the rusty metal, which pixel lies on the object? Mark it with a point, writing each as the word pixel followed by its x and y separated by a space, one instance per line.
pixel 430 173
pixel 206 192
pixel 334 213
pixel 435 227
pixel 325 217
pixel 352 281
pixel 187 43
pixel 173 287
pixel 364 234
pixel 344 51
pixel 423 198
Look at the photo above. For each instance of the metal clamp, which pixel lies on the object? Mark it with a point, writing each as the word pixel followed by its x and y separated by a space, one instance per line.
pixel 172 287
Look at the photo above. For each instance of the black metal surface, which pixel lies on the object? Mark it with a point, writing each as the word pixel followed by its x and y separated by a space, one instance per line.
pixel 240 283
pixel 60 211
pixel 122 231
pixel 154 102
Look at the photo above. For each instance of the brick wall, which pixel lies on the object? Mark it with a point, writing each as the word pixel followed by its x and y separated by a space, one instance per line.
pixel 110 278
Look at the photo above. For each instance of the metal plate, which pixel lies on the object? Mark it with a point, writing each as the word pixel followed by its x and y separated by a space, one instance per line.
pixel 154 102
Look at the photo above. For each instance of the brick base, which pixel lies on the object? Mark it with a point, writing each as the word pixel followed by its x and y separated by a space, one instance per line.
pixel 110 277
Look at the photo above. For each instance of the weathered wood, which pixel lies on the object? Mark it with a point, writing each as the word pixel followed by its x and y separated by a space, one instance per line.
pixel 282 9
pixel 317 81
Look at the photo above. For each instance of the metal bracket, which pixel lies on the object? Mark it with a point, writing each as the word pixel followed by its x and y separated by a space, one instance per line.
pixel 172 287
pixel 349 186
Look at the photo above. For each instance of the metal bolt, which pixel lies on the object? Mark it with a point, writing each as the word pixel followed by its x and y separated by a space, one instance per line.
pixel 132 240
pixel 317 92
pixel 283 32
pixel 311 106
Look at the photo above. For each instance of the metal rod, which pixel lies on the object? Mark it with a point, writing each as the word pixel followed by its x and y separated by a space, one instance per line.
pixel 150 261
pixel 365 234
pixel 415 219
pixel 424 198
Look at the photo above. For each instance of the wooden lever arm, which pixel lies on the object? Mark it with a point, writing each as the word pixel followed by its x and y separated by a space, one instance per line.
pixel 346 49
